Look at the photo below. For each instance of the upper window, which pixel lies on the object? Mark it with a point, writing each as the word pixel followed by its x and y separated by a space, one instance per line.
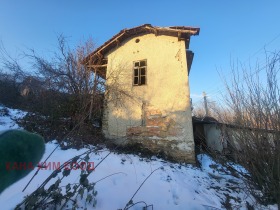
pixel 140 72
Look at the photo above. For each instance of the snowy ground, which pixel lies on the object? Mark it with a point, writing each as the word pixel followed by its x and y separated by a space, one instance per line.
pixel 172 186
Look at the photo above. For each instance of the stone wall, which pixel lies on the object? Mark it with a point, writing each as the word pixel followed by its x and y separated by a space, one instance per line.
pixel 160 133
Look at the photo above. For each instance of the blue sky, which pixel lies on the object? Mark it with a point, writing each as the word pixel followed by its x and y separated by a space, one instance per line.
pixel 230 30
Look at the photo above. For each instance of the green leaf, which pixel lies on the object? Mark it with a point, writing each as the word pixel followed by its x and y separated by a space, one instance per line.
pixel 51 188
pixel 41 190
pixel 94 193
pixel 55 174
pixel 86 158
pixel 81 192
pixel 70 194
pixel 83 180
pixel 32 201
pixel 56 184
pixel 66 172
pixel 89 198
pixel 94 202
pixel 68 187
pixel 90 187
pixel 75 187
pixel 74 160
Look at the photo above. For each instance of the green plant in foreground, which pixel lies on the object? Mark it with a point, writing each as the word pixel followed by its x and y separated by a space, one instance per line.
pixel 20 152
pixel 60 197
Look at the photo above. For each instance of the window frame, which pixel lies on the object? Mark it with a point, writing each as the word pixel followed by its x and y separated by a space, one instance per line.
pixel 139 73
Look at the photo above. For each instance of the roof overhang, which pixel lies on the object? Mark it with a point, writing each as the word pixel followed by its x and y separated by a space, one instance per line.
pixel 96 58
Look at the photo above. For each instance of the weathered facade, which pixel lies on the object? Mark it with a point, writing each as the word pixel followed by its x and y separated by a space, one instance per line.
pixel 209 134
pixel 147 97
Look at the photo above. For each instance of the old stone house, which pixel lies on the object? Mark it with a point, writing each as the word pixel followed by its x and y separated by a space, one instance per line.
pixel 147 97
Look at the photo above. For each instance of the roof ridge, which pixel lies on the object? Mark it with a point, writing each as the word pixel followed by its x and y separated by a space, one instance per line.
pixel 180 31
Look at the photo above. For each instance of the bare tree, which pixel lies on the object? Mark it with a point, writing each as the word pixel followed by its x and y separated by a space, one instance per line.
pixel 253 98
pixel 66 74
pixel 11 65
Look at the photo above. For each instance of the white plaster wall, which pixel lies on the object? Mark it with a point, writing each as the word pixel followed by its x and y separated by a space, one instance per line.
pixel 167 87
pixel 213 137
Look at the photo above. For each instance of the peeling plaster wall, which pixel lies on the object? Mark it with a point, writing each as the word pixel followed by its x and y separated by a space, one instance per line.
pixel 213 137
pixel 166 92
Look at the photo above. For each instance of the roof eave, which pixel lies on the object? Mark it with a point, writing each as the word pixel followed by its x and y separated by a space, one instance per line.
pixel 183 32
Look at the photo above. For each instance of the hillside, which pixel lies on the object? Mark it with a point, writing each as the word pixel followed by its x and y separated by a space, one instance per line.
pixel 171 185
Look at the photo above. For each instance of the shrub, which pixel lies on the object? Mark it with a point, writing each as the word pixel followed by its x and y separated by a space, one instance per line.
pixel 254 100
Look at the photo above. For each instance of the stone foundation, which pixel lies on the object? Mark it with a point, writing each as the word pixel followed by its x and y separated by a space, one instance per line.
pixel 160 133
pixel 169 148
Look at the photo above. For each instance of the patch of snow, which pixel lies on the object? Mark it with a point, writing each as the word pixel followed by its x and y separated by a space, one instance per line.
pixel 172 186
pixel 9 121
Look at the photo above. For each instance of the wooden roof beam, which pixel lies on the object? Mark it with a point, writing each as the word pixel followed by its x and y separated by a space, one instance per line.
pixel 97 66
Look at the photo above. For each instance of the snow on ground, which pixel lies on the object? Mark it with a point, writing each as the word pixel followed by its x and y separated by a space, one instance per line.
pixel 172 186
pixel 8 117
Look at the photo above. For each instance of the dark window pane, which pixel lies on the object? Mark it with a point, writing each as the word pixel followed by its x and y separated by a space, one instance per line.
pixel 143 80
pixel 143 71
pixel 135 81
pixel 140 72
pixel 142 63
pixel 136 72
